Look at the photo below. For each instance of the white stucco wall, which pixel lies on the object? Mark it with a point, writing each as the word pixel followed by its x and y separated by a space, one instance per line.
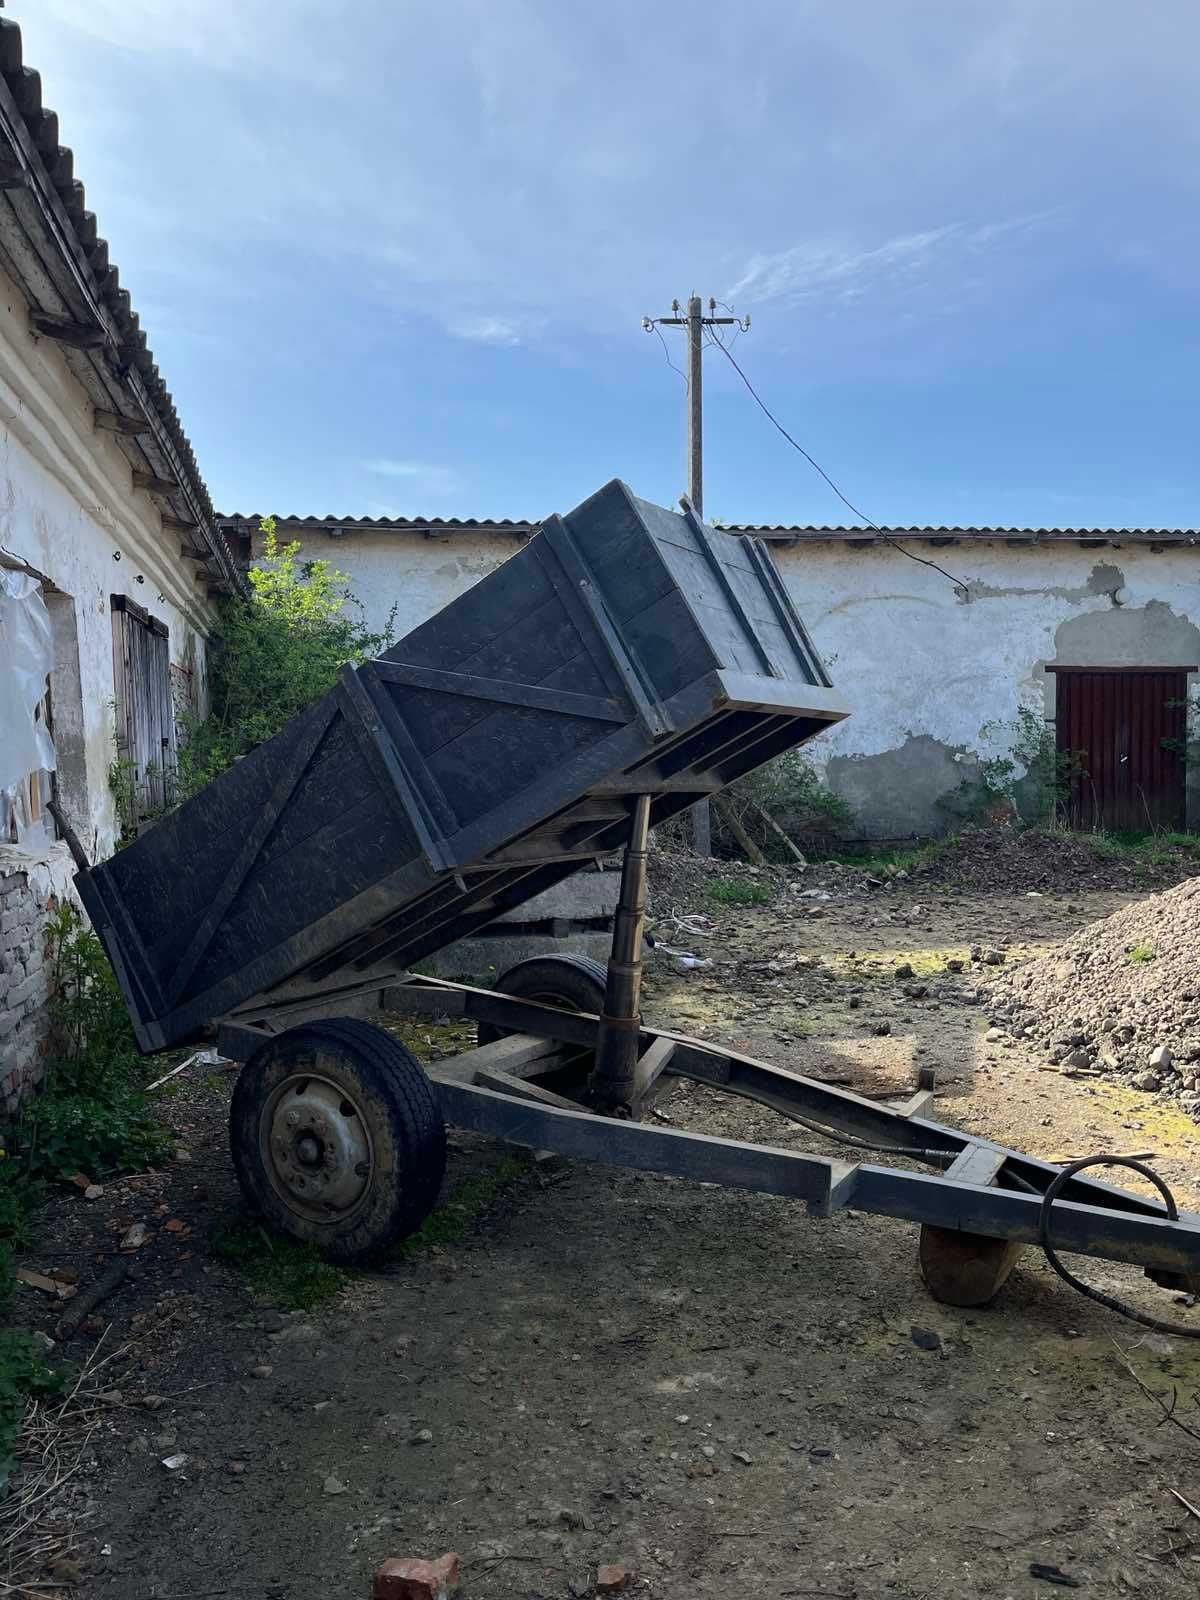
pixel 931 676
pixel 934 680
pixel 416 575
pixel 66 505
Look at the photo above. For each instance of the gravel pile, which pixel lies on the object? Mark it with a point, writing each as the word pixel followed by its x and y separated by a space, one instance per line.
pixel 1122 996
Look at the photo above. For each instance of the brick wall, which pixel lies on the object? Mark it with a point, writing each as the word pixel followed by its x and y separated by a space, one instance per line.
pixel 30 888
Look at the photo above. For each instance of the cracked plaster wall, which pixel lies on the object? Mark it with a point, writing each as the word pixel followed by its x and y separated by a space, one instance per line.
pixel 934 683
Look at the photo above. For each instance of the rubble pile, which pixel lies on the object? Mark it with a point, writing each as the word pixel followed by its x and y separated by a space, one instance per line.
pixel 1122 996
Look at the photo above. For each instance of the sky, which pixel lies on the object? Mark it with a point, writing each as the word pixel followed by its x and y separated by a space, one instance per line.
pixel 393 256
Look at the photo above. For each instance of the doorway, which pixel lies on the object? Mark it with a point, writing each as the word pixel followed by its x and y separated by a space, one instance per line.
pixel 1123 731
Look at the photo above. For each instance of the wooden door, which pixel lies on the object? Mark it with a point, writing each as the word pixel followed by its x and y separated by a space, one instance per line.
pixel 1125 732
pixel 144 708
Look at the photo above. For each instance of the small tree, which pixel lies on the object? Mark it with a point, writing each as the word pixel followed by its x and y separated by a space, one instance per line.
pixel 272 654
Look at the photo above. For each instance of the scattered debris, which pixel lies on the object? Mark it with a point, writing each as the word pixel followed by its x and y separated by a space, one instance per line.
pixel 109 1281
pixel 611 1579
pixel 135 1237
pixel 334 1485
pixel 1049 1574
pixel 175 1462
pixel 417 1580
pixel 926 1338
pixel 39 1280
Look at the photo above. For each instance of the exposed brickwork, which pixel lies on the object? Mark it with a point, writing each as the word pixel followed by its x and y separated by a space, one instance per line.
pixel 26 900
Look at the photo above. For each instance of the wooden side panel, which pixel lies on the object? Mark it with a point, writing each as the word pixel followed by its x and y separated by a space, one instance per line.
pixel 441 784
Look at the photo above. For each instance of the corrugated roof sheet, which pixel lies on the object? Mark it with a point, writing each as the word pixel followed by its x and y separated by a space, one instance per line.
pixel 247 522
pixel 51 246
pixel 251 519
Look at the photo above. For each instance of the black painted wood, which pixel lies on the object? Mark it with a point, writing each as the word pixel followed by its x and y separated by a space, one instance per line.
pixel 476 763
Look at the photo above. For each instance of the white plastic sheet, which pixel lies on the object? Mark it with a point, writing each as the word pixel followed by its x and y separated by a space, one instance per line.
pixel 26 656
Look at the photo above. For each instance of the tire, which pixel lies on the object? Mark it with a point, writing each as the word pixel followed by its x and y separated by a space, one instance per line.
pixel 575 983
pixel 337 1138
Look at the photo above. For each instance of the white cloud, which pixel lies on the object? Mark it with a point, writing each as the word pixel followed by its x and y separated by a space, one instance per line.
pixel 488 329
pixel 841 272
pixel 425 476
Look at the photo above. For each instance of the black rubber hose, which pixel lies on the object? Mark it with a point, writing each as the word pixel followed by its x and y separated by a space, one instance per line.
pixel 1176 1329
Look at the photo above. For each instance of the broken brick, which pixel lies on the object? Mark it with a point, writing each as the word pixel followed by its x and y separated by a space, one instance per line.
pixel 407 1579
pixel 611 1579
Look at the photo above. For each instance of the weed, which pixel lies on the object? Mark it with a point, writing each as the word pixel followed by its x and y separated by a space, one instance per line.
pixel 23 1374
pixel 738 892
pixel 290 1275
pixel 1152 849
pixel 1140 952
pixel 452 1220
pixel 886 861
pixel 90 1116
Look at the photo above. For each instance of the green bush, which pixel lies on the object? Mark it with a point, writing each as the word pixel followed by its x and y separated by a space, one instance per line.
pixel 273 653
pixel 790 792
pixel 91 1115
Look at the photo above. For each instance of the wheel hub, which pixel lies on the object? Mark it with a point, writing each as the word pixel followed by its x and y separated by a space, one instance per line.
pixel 316 1147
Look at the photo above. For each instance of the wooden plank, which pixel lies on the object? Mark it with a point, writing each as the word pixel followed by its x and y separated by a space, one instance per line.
pixel 363 718
pixel 502 1083
pixel 651 1064
pixel 734 600
pixel 117 422
pixel 79 335
pixel 294 768
pixel 153 485
pixel 443 818
pixel 503 691
pixel 506 1055
pixel 556 538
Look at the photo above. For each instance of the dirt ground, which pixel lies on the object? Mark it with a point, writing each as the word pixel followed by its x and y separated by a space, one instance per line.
pixel 709 1387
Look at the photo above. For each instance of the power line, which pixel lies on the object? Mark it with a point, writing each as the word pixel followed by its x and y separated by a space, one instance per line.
pixel 818 468
pixel 653 323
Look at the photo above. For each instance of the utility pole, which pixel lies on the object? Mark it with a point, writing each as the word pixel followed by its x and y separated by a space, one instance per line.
pixel 695 322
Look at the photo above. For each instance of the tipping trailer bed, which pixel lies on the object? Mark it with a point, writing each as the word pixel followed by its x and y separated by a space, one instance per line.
pixel 628 662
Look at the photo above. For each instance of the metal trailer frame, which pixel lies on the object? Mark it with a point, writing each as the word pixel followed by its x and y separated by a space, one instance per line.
pixel 977 1209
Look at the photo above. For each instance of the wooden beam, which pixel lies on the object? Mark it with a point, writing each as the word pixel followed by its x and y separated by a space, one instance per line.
pixel 147 480
pixel 116 422
pixel 180 525
pixel 80 335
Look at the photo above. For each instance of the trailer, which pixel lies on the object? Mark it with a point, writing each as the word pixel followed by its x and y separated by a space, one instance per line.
pixel 628 662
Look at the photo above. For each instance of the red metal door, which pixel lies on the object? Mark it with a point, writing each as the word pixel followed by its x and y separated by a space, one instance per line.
pixel 1125 731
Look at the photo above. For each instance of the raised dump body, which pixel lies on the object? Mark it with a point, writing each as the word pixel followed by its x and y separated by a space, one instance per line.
pixel 495 750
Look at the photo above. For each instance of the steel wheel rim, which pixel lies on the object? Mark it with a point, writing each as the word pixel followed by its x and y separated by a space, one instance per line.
pixel 316 1148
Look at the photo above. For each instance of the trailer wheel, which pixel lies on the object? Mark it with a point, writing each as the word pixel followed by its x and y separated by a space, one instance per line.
pixel 574 983
pixel 337 1137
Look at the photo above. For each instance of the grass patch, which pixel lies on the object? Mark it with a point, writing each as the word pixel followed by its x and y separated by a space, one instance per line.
pixel 1140 952
pixel 887 861
pixel 738 892
pixel 1155 849
pixel 292 1276
pixel 453 1219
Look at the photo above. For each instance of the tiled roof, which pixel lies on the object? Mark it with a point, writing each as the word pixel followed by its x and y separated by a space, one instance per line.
pixel 241 524
pixel 248 521
pixel 50 246
pixel 868 535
